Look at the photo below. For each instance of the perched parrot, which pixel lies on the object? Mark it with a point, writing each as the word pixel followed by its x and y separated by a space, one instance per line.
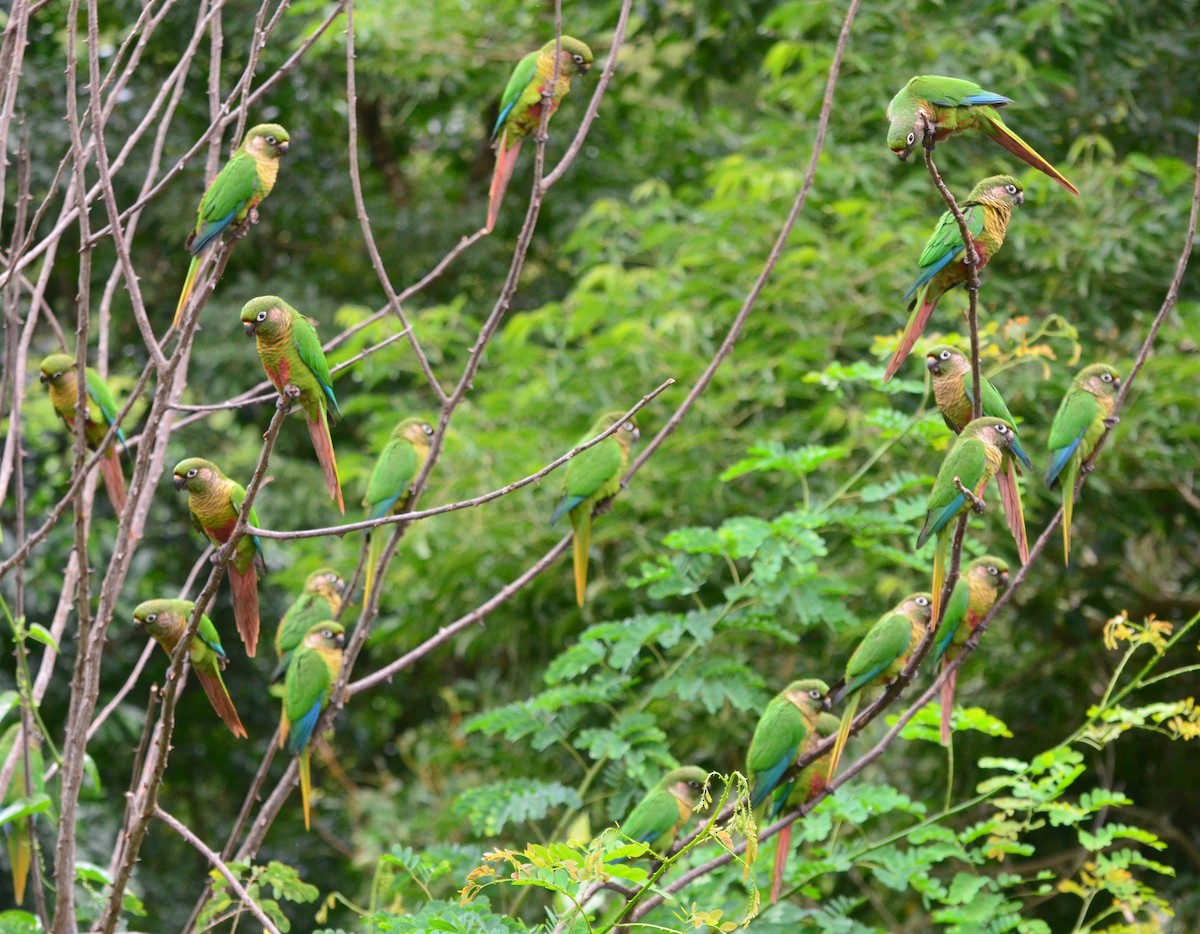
pixel 166 621
pixel 593 476
pixel 952 388
pixel 291 354
pixel 401 460
pixel 58 375
pixel 1086 410
pixel 19 834
pixel 315 665
pixel 521 107
pixel 987 211
pixel 880 657
pixel 665 810
pixel 215 502
pixel 234 196
pixel 952 105
pixel 977 589
pixel 321 600
pixel 974 459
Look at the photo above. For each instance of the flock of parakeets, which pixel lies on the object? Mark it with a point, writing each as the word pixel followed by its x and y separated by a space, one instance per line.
pixel 308 641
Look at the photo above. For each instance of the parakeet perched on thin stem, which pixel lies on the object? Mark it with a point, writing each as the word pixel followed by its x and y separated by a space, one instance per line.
pixel 1084 413
pixel 314 668
pixel 880 657
pixel 233 198
pixel 166 621
pixel 952 388
pixel 19 833
pixel 401 460
pixel 215 503
pixel 953 105
pixel 521 106
pixel 321 600
pixel 591 477
pixel 59 376
pixel 809 782
pixel 665 810
pixel 975 592
pixel 987 211
pixel 291 354
pixel 973 460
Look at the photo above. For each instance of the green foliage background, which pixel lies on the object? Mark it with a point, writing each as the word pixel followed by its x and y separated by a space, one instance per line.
pixel 769 531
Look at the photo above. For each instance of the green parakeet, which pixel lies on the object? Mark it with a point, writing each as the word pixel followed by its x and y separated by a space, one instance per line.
pixel 973 460
pixel 59 376
pixel 291 354
pixel 166 621
pixel 880 657
pixel 953 105
pixel 809 782
pixel 215 503
pixel 19 833
pixel 591 477
pixel 666 809
pixel 952 388
pixel 521 106
pixel 234 196
pixel 401 460
pixel 314 668
pixel 987 211
pixel 321 600
pixel 1078 425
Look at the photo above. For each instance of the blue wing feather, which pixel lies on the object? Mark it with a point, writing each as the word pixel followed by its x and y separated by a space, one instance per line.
pixel 384 506
pixel 947 514
pixel 213 229
pixel 765 782
pixel 565 505
pixel 933 270
pixel 1062 457
pixel 301 730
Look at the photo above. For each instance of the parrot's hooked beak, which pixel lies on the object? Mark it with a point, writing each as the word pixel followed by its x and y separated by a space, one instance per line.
pixel 826 703
pixel 1020 197
pixel 178 481
pixel 43 378
pixel 283 147
pixel 931 362
pixel 1004 579
pixel 902 154
pixel 250 327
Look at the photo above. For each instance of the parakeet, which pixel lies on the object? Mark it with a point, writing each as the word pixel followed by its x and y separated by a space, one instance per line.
pixel 973 460
pixel 59 376
pixel 666 809
pixel 987 211
pixel 952 388
pixel 291 354
pixel 19 833
pixel 316 663
pixel 591 477
pixel 215 502
pixel 953 105
pixel 880 657
pixel 234 195
pixel 977 589
pixel 321 600
pixel 1078 425
pixel 521 106
pixel 809 782
pixel 166 621
pixel 401 460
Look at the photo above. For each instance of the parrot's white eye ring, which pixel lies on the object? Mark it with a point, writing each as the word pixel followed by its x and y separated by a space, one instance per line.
pixel 262 316
pixel 912 138
pixel 152 617
pixel 1011 189
pixel 578 59
pixel 191 473
pixel 922 601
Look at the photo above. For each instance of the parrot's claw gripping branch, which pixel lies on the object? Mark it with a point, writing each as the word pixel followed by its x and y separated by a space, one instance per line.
pixel 976 502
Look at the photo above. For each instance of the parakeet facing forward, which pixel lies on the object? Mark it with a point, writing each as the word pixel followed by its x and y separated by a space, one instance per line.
pixel 953 105
pixel 60 378
pixel 166 621
pixel 592 476
pixel 987 211
pixel 321 600
pixel 521 106
pixel 666 809
pixel 234 195
pixel 1078 425
pixel 215 502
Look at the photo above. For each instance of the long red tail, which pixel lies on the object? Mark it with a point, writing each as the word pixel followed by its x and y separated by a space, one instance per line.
pixel 506 161
pixel 948 705
pixel 1000 133
pixel 912 331
pixel 244 588
pixel 114 479
pixel 782 849
pixel 323 444
pixel 221 702
pixel 1014 514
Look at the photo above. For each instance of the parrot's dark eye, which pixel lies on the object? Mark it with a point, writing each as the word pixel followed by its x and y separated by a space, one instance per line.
pixel 191 473
pixel 1011 189
pixel 1106 377
pixel 922 601
pixel 261 316
pixel 628 426
pixel 993 570
pixel 1002 429
pixel 912 138
pixel 578 59
pixel 428 429
pixel 151 617
pixel 945 355
pixel 271 140
pixel 814 694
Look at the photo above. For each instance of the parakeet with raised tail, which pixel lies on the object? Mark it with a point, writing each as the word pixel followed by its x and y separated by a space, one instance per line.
pixel 953 390
pixel 291 355
pixel 953 105
pixel 166 621
pixel 521 106
pixel 809 782
pixel 233 198
pixel 665 810
pixel 987 211
pixel 59 376
pixel 591 477
pixel 973 460
pixel 401 460
pixel 315 666
pixel 19 833
pixel 215 503
pixel 321 600
pixel 1086 410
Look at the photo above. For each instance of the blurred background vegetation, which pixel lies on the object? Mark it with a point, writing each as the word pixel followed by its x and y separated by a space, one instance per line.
pixel 741 553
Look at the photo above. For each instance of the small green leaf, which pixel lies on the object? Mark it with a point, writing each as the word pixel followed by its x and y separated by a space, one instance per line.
pixel 40 633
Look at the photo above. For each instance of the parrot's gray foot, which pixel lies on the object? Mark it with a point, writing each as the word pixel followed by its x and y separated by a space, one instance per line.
pixel 976 502
pixel 252 217
pixel 1111 421
pixel 292 392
